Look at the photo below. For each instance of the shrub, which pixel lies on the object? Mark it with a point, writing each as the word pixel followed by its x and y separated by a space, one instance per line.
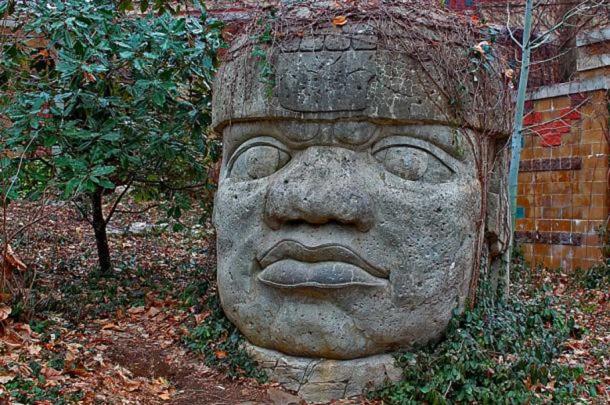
pixel 95 98
pixel 502 351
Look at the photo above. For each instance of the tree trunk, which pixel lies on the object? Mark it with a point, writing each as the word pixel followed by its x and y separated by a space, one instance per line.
pixel 99 227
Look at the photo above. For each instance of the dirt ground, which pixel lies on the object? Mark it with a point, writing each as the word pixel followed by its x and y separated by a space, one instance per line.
pixel 121 340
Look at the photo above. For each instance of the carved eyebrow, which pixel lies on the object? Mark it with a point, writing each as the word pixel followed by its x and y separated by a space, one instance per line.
pixel 283 133
pixel 406 140
pixel 302 134
pixel 442 137
pixel 299 134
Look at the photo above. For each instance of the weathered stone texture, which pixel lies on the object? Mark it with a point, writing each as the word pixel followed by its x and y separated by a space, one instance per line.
pixel 321 380
pixel 358 82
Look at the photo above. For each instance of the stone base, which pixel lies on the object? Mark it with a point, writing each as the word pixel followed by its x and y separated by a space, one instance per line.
pixel 323 380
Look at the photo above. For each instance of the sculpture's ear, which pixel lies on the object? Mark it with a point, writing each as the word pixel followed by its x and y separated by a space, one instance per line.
pixel 497 223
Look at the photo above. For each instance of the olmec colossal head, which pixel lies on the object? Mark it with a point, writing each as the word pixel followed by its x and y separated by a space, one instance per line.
pixel 350 208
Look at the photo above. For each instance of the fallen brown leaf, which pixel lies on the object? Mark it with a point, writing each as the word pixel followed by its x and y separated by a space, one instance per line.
pixel 4 378
pixel 13 260
pixel 339 21
pixel 50 373
pixel 153 311
pixel 5 311
pixel 202 316
pixel 165 396
pixel 89 77
pixel 135 310
pixel 112 326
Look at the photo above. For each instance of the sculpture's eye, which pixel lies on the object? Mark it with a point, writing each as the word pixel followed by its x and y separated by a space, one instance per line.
pixel 258 161
pixel 414 164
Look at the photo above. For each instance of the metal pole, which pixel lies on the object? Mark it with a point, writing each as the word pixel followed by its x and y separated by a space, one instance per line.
pixel 517 136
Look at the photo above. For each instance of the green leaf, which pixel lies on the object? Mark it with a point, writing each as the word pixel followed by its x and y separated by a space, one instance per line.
pixel 49 140
pixel 158 98
pixel 111 137
pixel 35 122
pixel 125 5
pixel 71 187
pixel 5 163
pixel 126 54
pixel 107 184
pixel 103 170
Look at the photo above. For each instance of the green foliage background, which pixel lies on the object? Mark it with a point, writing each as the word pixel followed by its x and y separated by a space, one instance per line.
pixel 96 97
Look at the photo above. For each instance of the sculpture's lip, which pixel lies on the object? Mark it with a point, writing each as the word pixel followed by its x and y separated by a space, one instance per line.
pixel 325 266
pixel 290 273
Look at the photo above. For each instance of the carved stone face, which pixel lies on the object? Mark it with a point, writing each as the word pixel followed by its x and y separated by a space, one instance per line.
pixel 341 240
pixel 345 228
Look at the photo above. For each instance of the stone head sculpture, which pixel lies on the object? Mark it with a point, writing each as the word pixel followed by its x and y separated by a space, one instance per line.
pixel 351 206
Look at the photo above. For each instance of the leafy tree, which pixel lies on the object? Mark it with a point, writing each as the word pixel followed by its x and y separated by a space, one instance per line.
pixel 94 97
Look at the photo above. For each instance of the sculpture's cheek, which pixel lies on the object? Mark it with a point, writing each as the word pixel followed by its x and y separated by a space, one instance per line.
pixel 430 234
pixel 239 225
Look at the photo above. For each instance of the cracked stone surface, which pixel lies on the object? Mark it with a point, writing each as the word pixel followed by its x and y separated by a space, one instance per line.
pixel 323 380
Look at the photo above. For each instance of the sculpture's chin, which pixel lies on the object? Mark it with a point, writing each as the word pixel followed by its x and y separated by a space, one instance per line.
pixel 305 326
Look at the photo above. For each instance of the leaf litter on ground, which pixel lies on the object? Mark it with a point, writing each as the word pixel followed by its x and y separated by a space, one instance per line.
pixel 121 339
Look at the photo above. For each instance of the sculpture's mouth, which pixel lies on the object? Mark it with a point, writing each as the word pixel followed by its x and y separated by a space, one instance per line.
pixel 290 264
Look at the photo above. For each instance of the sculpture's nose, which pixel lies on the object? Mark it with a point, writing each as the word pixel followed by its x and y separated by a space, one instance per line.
pixel 324 185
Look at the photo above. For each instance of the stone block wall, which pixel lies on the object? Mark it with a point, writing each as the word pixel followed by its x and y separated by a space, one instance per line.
pixel 563 195
pixel 594 54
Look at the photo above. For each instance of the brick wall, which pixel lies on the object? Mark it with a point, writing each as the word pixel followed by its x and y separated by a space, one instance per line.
pixel 563 181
